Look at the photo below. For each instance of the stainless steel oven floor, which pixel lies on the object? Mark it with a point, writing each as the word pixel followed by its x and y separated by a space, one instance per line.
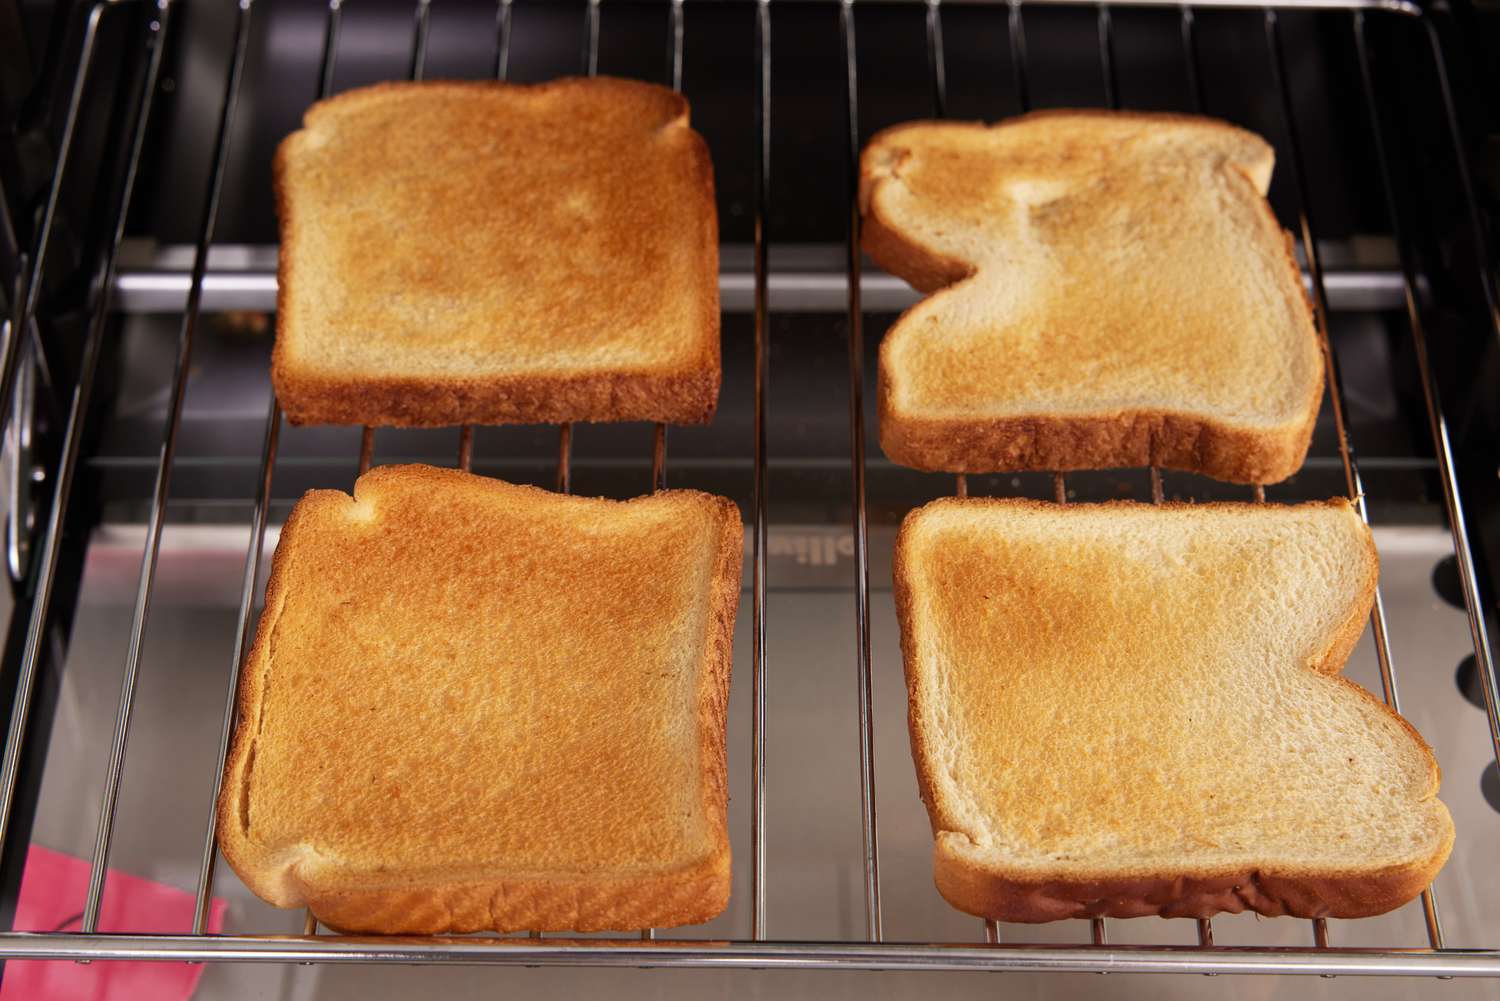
pixel 814 874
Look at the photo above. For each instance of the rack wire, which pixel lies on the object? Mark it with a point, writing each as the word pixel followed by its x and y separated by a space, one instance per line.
pixel 758 917
pixel 760 951
pixel 871 858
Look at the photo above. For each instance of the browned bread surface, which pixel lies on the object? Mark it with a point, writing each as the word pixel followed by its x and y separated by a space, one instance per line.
pixel 497 253
pixel 472 705
pixel 1109 289
pixel 1124 709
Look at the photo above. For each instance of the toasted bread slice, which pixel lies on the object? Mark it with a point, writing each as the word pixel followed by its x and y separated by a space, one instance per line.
pixel 472 705
pixel 1111 289
pixel 497 253
pixel 1124 709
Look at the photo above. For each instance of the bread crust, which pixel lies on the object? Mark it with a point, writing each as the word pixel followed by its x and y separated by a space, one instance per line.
pixel 678 398
pixel 1065 443
pixel 682 395
pixel 998 897
pixel 1011 893
pixel 397 901
pixel 1175 439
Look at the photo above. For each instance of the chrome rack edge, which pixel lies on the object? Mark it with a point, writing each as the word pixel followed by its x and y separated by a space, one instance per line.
pixel 635 952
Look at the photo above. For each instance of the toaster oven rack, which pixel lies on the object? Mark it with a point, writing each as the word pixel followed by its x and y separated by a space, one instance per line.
pixel 758 952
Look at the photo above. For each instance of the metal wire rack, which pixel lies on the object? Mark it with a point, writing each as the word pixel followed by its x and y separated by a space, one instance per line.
pixel 988 952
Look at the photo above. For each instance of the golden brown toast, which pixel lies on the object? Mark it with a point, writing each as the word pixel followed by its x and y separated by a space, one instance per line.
pixel 1126 709
pixel 472 705
pixel 1109 289
pixel 493 253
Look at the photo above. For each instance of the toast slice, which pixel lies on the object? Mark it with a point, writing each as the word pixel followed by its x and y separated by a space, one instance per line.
pixel 497 253
pixel 1123 709
pixel 1110 289
pixel 478 706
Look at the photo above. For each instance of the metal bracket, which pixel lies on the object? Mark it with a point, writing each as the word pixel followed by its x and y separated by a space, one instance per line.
pixel 19 469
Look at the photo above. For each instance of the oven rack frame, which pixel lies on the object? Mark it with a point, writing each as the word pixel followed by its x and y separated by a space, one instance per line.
pixel 113 287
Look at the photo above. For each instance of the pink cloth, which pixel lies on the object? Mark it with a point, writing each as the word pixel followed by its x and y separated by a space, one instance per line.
pixel 53 889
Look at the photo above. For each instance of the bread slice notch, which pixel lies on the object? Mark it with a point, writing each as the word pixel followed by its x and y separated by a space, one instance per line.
pixel 478 706
pixel 1109 289
pixel 465 252
pixel 1124 709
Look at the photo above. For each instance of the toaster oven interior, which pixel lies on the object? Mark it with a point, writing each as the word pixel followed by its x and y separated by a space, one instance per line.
pixel 147 468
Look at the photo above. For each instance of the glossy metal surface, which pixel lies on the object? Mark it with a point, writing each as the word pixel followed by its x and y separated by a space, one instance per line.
pixel 817 284
pixel 762 378
pixel 1378 627
pixel 759 953
pixel 203 895
pixel 109 800
pixel 871 854
pixel 755 956
pixel 73 434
